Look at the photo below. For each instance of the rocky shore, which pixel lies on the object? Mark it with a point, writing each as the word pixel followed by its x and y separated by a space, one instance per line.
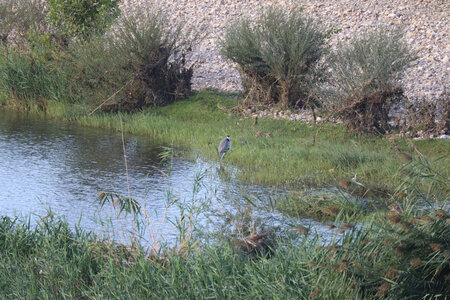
pixel 425 22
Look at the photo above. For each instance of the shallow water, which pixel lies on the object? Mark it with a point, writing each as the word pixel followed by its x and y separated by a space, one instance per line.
pixel 47 164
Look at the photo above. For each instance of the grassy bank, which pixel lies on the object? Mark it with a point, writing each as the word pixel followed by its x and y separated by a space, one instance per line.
pixel 274 152
pixel 396 256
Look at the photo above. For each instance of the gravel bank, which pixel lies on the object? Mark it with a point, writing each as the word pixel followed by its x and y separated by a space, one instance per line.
pixel 426 24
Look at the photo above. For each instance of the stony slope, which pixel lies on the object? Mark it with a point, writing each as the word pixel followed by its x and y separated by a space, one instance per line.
pixel 426 24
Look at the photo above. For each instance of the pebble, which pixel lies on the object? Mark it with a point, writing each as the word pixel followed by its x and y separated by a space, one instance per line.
pixel 425 23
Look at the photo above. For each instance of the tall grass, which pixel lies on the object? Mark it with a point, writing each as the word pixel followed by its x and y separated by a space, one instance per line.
pixel 401 254
pixel 30 81
pixel 59 263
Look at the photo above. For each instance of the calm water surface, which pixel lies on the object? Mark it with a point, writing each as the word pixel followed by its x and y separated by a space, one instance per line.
pixel 47 164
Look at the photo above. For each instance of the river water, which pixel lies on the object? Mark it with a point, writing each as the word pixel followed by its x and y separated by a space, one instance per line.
pixel 45 164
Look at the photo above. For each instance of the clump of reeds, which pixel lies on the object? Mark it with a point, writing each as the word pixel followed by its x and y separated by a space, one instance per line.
pixel 324 205
pixel 409 249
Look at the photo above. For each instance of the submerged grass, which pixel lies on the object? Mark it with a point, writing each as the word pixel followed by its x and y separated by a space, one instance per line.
pixel 326 205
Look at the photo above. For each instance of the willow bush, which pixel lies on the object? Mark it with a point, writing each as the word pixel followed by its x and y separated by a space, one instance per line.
pixel 278 56
pixel 75 54
pixel 140 62
pixel 366 74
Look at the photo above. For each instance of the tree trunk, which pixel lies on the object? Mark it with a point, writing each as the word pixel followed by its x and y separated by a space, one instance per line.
pixel 285 98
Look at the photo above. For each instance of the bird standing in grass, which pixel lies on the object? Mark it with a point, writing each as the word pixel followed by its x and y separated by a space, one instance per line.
pixel 224 146
pixel 404 157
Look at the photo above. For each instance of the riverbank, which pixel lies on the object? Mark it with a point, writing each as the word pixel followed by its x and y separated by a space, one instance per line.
pixel 399 250
pixel 292 154
pixel 397 256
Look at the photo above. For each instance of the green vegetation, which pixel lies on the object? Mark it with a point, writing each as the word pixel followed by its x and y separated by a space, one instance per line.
pixel 20 17
pixel 30 83
pixel 277 57
pixel 140 62
pixel 138 65
pixel 59 66
pixel 401 254
pixel 83 18
pixel 366 74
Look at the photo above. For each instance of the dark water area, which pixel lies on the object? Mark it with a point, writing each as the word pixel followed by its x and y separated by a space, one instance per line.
pixel 48 164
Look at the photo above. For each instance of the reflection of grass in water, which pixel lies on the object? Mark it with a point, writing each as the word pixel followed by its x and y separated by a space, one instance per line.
pixel 224 173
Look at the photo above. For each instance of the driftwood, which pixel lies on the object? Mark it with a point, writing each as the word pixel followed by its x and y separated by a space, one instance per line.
pixel 261 243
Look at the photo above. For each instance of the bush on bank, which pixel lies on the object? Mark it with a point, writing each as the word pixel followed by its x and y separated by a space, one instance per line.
pixel 278 57
pixel 82 18
pixel 138 62
pixel 366 74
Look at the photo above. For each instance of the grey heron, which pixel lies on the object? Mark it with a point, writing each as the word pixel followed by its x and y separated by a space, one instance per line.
pixel 224 146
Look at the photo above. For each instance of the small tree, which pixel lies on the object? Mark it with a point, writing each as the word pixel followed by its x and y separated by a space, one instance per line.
pixel 82 18
pixel 278 56
pixel 366 75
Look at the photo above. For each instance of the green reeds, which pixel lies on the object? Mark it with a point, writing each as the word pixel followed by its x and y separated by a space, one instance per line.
pixel 30 82
pixel 398 253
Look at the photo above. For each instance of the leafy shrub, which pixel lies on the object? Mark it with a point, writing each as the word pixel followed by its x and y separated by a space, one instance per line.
pixel 366 76
pixel 82 18
pixel 93 73
pixel 278 56
pixel 141 63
